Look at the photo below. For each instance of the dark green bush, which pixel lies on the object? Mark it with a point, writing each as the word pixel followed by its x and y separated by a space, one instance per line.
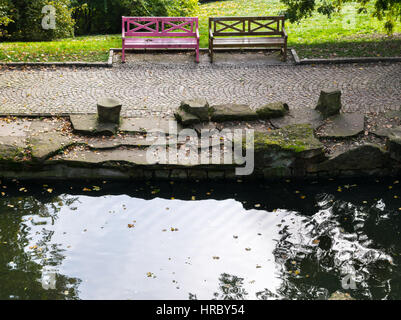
pixel 104 16
pixel 22 19
pixel 25 20
pixel 6 16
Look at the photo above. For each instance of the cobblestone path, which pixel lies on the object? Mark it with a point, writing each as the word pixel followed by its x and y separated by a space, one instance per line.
pixel 157 89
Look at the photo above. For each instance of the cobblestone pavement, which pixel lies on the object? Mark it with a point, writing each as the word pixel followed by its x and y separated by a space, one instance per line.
pixel 157 89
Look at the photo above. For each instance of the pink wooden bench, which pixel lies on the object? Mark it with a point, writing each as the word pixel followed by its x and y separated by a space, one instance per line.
pixel 158 32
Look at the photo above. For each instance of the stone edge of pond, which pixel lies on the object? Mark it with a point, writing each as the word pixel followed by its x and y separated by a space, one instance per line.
pixel 289 152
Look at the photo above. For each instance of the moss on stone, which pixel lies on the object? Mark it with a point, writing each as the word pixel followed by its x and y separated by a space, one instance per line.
pixel 295 138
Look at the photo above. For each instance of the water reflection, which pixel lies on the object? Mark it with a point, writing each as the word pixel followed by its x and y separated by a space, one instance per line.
pixel 175 241
pixel 28 258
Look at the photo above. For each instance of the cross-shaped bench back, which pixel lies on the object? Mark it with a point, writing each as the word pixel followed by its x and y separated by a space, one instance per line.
pixel 246 26
pixel 159 26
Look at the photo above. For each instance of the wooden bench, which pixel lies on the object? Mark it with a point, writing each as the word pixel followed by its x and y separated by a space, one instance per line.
pixel 241 32
pixel 160 32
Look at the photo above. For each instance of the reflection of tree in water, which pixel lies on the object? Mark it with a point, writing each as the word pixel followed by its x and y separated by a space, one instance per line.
pixel 313 254
pixel 21 268
pixel 230 288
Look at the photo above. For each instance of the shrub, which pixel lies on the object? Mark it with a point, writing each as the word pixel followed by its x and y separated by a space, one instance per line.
pixel 26 21
pixel 32 29
pixel 162 7
pixel 6 16
pixel 104 16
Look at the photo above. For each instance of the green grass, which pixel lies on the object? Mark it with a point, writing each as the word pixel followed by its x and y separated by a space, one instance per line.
pixel 346 34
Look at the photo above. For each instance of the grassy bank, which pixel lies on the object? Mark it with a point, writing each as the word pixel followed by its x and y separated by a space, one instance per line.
pixel 346 34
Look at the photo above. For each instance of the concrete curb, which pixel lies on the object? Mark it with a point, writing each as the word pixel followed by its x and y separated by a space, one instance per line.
pixel 109 63
pixel 343 60
pixel 295 56
pixel 78 64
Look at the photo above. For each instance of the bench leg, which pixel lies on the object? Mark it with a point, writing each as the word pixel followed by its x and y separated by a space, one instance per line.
pixel 284 52
pixel 123 56
pixel 197 54
pixel 211 55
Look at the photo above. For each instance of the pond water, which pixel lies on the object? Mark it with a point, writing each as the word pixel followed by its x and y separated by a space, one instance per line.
pixel 148 240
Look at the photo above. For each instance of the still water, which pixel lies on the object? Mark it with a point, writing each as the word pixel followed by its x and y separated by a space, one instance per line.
pixel 239 240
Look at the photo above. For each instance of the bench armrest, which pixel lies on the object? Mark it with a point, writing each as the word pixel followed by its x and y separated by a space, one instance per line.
pixel 210 34
pixel 285 33
pixel 197 33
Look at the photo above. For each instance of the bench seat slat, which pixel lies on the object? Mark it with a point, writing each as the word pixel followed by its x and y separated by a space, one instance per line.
pixel 250 41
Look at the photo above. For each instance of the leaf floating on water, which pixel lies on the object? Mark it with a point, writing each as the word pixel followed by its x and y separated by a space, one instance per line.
pixel 316 241
pixel 49 190
pixel 216 257
pixel 96 188
pixel 173 229
pixel 10 205
pixel 193 198
pixel 258 266
pixel 257 205
pixel 130 225
pixel 155 191
pixel 248 249
pixel 302 197
pixel 86 189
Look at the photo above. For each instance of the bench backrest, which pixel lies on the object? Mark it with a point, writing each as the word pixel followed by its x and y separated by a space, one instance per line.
pixel 246 26
pixel 160 26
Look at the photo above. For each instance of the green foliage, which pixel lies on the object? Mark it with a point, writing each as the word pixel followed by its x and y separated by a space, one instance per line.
pixel 104 16
pixel 22 19
pixel 387 10
pixel 98 16
pixel 6 16
pixel 162 8
pixel 32 28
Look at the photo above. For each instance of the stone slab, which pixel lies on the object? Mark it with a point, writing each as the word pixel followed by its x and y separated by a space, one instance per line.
pixel 132 156
pixel 88 124
pixel 343 125
pixel 186 118
pixel 150 124
pixel 272 110
pixel 299 116
pixel 232 112
pixel 17 128
pixel 198 107
pixel 127 141
pixel 47 144
pixel 386 123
